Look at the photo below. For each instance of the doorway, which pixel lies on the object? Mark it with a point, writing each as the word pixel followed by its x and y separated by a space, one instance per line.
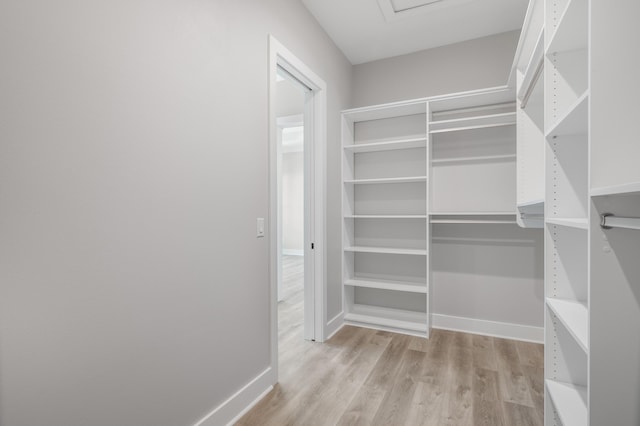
pixel 297 145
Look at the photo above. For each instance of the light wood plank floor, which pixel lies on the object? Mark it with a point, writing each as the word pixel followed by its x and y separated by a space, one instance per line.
pixel 368 377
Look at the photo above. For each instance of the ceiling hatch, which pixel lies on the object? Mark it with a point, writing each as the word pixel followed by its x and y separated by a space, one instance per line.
pixel 397 9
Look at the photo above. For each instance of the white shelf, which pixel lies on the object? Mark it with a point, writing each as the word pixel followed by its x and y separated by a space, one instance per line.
pixel 479 126
pixel 571 32
pixel 386 250
pixel 531 204
pixel 575 121
pixel 388 145
pixel 627 188
pixel 575 317
pixel 386 216
pixel 533 71
pixel 387 285
pixel 503 213
pixel 579 223
pixel 479 158
pixel 410 179
pixel 387 317
pixel 471 221
pixel 569 401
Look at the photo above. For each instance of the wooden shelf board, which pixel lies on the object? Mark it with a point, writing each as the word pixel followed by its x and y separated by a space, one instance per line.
pixel 386 216
pixel 479 126
pixel 575 120
pixel 387 317
pixel 387 285
pixel 410 179
pixel 569 401
pixel 625 188
pixel 386 250
pixel 575 317
pixel 388 145
pixel 572 30
pixel 579 223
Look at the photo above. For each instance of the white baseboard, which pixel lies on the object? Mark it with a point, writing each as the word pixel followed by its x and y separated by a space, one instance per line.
pixel 292 252
pixel 505 330
pixel 334 325
pixel 239 403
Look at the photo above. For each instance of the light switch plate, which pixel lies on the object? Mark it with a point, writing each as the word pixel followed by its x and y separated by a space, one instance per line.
pixel 260 227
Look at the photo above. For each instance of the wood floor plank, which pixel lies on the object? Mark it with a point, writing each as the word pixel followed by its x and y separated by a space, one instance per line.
pixel 394 407
pixel 535 380
pixel 488 413
pixel 531 354
pixel 458 409
pixel 430 393
pixel 513 384
pixel 521 415
pixel 484 354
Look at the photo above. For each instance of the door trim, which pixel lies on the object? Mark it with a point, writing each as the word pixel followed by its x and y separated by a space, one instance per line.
pixel 317 106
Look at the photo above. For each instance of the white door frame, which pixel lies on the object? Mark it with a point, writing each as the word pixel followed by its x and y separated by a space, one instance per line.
pixel 315 109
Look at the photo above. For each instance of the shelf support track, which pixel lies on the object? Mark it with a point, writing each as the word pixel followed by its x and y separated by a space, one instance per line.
pixel 608 221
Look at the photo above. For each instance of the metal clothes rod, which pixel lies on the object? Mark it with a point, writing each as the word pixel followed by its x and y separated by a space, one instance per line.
pixel 608 221
pixel 534 80
pixel 532 216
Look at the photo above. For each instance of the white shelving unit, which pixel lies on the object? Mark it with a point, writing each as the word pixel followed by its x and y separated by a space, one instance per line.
pixel 385 217
pixel 441 162
pixel 566 99
pixel 528 73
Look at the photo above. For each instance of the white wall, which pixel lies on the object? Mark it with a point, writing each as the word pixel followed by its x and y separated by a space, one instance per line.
pixel 133 165
pixel 293 202
pixel 475 64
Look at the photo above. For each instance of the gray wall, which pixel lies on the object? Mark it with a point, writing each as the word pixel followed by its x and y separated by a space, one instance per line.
pixel 133 165
pixel 475 64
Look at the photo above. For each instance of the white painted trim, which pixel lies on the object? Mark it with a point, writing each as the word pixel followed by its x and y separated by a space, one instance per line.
pixel 240 402
pixel 505 330
pixel 292 252
pixel 334 325
pixel 281 56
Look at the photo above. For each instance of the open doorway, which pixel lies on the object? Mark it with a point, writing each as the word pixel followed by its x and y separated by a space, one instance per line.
pixel 292 232
pixel 301 131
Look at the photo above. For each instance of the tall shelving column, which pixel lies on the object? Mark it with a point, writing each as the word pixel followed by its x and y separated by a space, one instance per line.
pixel 615 189
pixel 384 209
pixel 566 212
pixel 529 77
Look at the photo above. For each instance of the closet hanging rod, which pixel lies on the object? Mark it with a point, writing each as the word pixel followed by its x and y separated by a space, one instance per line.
pixel 608 221
pixel 532 84
pixel 472 109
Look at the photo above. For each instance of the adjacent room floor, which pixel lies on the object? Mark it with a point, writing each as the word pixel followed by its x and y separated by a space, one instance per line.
pixel 367 377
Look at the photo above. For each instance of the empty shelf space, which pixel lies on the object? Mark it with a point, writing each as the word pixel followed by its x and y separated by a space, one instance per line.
pixel 575 120
pixel 388 145
pixel 410 179
pixel 386 250
pixel 386 216
pixel 626 188
pixel 387 317
pixel 396 285
pixel 579 223
pixel 575 317
pixel 571 30
pixel 472 159
pixel 569 401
